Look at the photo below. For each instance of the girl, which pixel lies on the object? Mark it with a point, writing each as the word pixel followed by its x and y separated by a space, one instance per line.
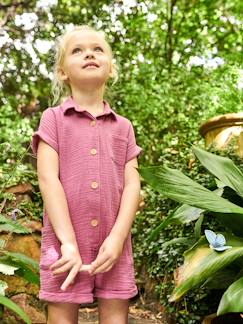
pixel 86 165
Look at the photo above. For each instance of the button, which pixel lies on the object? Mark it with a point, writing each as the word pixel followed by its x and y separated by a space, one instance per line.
pixel 93 123
pixel 94 185
pixel 93 151
pixel 94 222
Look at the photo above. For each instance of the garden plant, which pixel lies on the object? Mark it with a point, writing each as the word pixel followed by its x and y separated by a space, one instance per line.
pixel 206 264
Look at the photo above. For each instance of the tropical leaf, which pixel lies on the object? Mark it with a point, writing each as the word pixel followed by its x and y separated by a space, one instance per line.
pixel 188 241
pixel 19 257
pixel 232 299
pixel 198 227
pixel 183 215
pixel 14 307
pixel 234 222
pixel 221 167
pixel 186 214
pixel 221 279
pixel 24 264
pixel 177 186
pixel 28 275
pixel 201 263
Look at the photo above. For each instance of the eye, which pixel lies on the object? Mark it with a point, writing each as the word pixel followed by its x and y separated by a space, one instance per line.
pixel 98 49
pixel 76 50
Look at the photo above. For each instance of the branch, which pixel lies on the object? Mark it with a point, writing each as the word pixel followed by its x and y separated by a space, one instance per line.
pixel 169 35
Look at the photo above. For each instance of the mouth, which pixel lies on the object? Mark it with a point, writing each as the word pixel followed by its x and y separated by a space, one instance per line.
pixel 90 64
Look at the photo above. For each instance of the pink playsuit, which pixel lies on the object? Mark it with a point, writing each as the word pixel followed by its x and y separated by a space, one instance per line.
pixel 92 155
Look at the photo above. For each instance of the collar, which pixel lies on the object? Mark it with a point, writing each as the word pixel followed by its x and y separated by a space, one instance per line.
pixel 69 103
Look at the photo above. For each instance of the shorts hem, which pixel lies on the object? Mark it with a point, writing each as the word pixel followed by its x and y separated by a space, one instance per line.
pixel 66 298
pixel 115 294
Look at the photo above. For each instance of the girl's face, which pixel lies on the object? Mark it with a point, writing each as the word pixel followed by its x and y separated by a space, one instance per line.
pixel 87 60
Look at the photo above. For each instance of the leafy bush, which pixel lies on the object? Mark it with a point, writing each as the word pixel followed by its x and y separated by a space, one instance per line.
pixel 202 265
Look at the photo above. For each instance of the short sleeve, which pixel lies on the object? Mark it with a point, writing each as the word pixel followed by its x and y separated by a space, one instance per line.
pixel 47 131
pixel 133 149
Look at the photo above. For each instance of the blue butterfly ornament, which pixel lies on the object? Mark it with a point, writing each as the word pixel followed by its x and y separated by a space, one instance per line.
pixel 216 241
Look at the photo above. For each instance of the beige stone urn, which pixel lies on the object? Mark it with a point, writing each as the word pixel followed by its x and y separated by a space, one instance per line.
pixel 222 129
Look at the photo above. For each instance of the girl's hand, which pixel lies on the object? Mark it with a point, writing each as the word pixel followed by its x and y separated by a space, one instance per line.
pixel 109 252
pixel 70 261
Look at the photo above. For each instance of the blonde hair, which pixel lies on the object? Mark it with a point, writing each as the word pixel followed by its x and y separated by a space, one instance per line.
pixel 60 88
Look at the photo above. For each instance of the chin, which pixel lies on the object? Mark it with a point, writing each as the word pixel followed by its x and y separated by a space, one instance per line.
pixel 92 82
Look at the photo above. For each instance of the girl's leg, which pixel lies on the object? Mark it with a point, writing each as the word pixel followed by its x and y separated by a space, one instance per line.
pixel 113 311
pixel 62 313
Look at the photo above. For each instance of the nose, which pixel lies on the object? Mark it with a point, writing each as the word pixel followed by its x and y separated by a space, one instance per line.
pixel 89 54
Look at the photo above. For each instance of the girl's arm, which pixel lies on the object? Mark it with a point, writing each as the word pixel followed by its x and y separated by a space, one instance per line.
pixel 57 208
pixel 112 247
pixel 129 201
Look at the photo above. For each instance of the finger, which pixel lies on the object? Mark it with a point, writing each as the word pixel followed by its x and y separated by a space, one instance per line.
pixel 104 267
pixel 64 268
pixel 98 262
pixel 58 263
pixel 85 267
pixel 70 278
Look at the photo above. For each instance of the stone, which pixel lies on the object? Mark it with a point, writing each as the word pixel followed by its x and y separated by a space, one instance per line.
pixel 26 245
pixel 21 189
pixel 36 314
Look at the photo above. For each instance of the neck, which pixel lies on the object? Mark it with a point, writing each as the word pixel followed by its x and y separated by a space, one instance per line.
pixel 91 99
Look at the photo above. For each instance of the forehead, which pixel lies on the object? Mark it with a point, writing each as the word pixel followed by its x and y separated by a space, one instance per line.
pixel 85 38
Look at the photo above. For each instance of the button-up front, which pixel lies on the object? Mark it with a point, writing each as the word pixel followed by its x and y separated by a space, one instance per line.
pixel 94 222
pixel 93 151
pixel 92 154
pixel 94 185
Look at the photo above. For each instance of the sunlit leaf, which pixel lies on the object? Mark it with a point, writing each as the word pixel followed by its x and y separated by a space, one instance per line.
pixel 177 186
pixel 232 299
pixel 223 168
pixel 201 262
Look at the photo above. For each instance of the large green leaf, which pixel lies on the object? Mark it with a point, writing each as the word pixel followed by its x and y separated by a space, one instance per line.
pixel 201 263
pixel 183 215
pixel 14 307
pixel 19 257
pixel 189 241
pixel 28 268
pixel 234 222
pixel 223 168
pixel 175 185
pixel 28 275
pixel 232 299
pixel 21 269
pixel 221 279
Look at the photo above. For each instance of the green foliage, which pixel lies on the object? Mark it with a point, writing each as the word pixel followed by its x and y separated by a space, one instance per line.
pixel 14 307
pixel 231 300
pixel 165 97
pixel 12 263
pixel 8 225
pixel 201 263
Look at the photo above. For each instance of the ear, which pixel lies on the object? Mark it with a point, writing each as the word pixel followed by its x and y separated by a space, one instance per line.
pixel 62 74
